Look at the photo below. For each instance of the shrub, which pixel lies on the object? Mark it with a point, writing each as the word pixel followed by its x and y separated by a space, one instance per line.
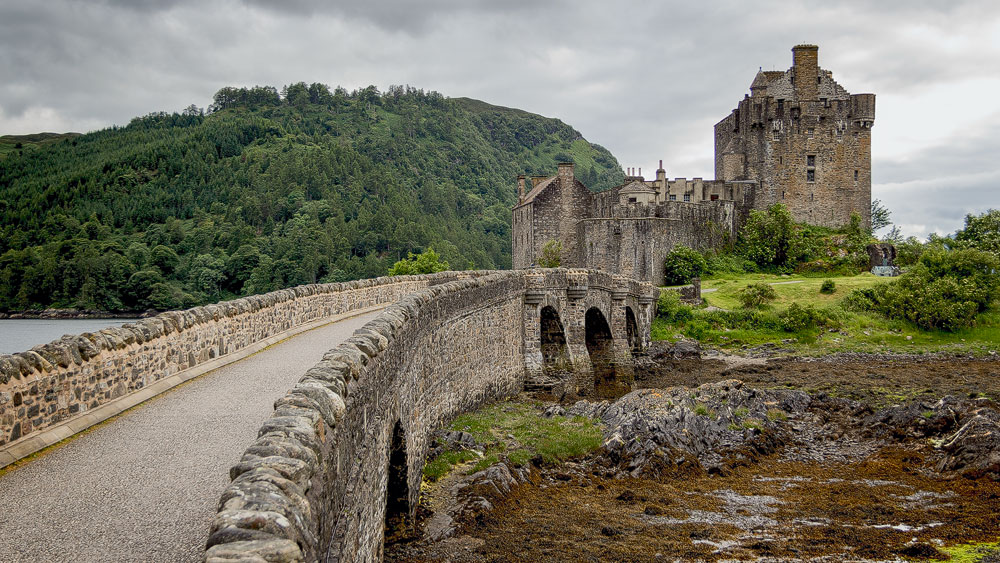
pixel 757 295
pixel 551 255
pixel 682 264
pixel 427 262
pixel 670 308
pixel 943 290
pixel 721 264
pixel 828 287
pixel 796 318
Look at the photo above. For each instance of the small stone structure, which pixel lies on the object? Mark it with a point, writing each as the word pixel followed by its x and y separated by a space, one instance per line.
pixel 882 259
pixel 799 139
pixel 342 455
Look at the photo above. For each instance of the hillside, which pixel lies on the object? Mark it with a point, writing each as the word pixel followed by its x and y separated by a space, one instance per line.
pixel 266 191
pixel 17 144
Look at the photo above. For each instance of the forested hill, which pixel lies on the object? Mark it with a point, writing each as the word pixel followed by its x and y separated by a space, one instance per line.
pixel 267 191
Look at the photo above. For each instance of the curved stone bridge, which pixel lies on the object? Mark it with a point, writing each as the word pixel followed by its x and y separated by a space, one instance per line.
pixel 344 451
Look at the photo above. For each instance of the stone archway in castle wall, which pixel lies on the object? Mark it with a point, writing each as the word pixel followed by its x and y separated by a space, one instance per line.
pixel 600 348
pixel 632 335
pixel 556 365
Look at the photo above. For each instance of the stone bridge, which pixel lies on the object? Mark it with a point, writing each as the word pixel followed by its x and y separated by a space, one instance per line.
pixel 344 451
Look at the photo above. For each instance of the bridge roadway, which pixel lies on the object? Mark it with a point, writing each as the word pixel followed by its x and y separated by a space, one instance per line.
pixel 118 492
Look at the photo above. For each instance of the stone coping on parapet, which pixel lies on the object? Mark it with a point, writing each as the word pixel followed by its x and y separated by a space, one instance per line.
pixel 52 435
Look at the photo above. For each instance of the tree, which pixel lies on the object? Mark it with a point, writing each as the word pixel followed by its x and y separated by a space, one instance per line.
pixel 880 215
pixel 771 238
pixel 551 255
pixel 981 231
pixel 427 262
pixel 682 265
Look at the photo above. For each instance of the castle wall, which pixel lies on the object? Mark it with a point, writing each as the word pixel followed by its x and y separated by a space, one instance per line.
pixel 634 240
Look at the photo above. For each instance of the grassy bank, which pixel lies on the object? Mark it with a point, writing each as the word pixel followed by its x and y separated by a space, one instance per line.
pixel 830 329
pixel 517 430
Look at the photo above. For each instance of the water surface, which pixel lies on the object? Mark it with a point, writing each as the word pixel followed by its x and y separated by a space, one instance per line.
pixel 19 335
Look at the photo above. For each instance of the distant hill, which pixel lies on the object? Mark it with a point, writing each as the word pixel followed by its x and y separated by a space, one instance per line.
pixel 19 143
pixel 266 191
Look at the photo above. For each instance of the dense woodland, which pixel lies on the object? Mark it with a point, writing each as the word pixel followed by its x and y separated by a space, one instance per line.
pixel 268 190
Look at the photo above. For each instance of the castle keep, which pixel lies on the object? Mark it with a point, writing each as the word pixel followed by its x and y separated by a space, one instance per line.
pixel 798 138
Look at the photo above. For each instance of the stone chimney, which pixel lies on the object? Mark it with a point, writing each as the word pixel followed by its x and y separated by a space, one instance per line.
pixel 805 62
pixel 661 174
pixel 520 188
pixel 535 180
pixel 566 173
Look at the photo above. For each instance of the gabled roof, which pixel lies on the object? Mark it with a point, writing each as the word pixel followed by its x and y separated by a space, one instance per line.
pixel 765 77
pixel 531 195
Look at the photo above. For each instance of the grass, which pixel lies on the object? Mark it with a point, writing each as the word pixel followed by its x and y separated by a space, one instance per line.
pixel 804 290
pixel 852 332
pixel 969 553
pixel 517 430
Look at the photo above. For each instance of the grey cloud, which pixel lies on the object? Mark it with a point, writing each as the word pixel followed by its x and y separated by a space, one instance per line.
pixel 648 80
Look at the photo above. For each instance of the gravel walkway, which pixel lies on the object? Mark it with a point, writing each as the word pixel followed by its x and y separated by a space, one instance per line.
pixel 145 486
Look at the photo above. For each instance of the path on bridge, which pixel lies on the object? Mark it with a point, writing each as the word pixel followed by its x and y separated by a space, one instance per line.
pixel 126 490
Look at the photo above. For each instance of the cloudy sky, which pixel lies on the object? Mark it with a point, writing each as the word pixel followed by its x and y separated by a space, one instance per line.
pixel 646 79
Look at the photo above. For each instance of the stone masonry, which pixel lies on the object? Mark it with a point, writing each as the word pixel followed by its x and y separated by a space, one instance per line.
pixel 57 381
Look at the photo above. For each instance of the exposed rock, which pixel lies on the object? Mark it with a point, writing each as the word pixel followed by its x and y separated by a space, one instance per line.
pixel 715 424
pixel 974 450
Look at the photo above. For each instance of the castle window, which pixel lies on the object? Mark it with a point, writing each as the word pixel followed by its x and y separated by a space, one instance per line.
pixel 687 197
pixel 782 195
pixel 811 160
pixel 812 197
pixel 673 197
pixel 714 197
pixel 631 200
pixel 855 175
pixel 810 175
pixel 781 105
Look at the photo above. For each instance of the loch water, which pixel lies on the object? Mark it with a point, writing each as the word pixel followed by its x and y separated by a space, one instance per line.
pixel 19 335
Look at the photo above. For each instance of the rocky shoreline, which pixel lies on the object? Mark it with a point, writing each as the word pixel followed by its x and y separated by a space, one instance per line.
pixel 865 458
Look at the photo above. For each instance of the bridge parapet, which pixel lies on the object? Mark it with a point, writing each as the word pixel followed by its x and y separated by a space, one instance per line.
pixel 56 389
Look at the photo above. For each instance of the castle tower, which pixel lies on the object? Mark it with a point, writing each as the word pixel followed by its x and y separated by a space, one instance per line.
pixel 801 139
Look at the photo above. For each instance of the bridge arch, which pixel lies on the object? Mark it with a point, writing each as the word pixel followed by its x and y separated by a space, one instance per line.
pixel 397 490
pixel 600 348
pixel 632 335
pixel 556 365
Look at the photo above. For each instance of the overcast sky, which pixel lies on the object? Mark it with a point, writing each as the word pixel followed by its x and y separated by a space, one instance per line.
pixel 646 79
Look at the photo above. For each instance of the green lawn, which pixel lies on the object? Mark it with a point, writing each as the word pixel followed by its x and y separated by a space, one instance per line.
pixel 789 289
pixel 846 332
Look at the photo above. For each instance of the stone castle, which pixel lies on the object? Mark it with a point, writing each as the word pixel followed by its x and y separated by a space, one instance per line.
pixel 798 138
